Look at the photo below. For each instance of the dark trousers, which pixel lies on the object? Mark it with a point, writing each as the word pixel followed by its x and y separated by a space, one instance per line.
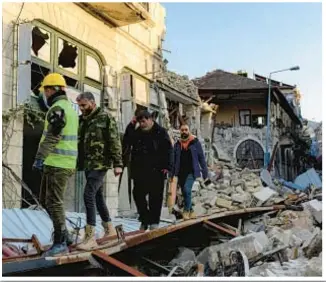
pixel 94 198
pixel 151 184
pixel 53 187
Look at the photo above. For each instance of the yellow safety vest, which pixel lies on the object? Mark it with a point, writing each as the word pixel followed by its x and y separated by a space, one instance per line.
pixel 65 153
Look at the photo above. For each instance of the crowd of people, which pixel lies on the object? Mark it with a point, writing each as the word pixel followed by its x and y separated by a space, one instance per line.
pixel 91 143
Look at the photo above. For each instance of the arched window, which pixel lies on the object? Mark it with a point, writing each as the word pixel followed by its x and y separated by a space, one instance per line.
pixel 52 51
pixel 250 154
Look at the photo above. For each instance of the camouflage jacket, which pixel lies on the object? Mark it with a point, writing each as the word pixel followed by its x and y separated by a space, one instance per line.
pixel 99 145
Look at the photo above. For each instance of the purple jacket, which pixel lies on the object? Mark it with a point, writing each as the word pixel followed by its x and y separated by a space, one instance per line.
pixel 198 159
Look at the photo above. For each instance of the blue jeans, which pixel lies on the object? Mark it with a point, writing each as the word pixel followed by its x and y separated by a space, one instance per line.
pixel 186 186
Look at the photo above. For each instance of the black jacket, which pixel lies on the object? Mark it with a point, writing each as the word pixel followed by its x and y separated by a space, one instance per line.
pixel 150 151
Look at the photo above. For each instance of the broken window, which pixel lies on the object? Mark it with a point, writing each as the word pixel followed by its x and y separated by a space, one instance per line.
pixel 245 117
pixel 38 73
pixel 41 44
pixel 68 56
pixel 93 70
pixel 173 109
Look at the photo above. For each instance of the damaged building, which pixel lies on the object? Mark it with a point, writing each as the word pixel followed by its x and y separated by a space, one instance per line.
pixel 240 123
pixel 113 50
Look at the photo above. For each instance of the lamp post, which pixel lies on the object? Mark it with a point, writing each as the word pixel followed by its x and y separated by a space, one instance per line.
pixel 267 153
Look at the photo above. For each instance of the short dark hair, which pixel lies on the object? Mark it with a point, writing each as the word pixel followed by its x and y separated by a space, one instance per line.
pixel 143 114
pixel 183 124
pixel 86 95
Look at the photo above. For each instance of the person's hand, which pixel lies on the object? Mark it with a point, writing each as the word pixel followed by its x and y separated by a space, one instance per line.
pixel 165 171
pixel 117 171
pixel 38 165
pixel 134 121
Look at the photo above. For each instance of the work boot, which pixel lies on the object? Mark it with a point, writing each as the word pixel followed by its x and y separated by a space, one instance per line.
pixel 89 241
pixel 153 226
pixel 143 227
pixel 185 215
pixel 192 215
pixel 109 229
pixel 59 246
pixel 57 249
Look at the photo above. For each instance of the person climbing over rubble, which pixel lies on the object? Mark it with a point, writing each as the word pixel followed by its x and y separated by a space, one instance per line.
pixel 99 148
pixel 56 157
pixel 189 165
pixel 151 160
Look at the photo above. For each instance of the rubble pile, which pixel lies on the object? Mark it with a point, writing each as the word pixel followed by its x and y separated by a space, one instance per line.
pixel 230 189
pixel 288 244
pixel 181 83
pixel 283 243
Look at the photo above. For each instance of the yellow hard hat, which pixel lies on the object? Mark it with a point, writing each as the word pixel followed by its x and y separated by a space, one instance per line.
pixel 53 79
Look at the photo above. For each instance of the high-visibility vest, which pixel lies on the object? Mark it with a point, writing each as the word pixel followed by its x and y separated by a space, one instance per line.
pixel 65 153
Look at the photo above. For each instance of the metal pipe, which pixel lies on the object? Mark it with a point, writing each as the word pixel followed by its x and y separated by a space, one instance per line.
pixel 267 154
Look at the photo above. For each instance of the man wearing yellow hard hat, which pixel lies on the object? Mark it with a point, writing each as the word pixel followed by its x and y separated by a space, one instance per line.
pixel 57 156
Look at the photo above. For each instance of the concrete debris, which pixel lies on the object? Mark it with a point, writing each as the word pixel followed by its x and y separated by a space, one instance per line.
pixel 186 258
pixel 313 247
pixel 315 207
pixel 293 268
pixel 251 245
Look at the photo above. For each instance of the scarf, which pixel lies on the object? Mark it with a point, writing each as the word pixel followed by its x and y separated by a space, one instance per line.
pixel 185 143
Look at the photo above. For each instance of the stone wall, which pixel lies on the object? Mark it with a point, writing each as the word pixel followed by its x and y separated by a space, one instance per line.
pixel 228 139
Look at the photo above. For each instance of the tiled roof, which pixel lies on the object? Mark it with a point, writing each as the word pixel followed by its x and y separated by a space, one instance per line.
pixel 222 80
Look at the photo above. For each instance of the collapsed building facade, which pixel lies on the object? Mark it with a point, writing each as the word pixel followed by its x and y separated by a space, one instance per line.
pixel 113 50
pixel 240 123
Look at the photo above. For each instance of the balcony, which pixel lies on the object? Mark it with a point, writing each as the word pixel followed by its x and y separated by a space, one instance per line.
pixel 119 14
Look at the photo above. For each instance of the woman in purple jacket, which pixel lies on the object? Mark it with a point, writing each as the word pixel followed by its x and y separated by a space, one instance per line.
pixel 189 164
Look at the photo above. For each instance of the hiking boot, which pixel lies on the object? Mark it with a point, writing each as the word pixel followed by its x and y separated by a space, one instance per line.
pixel 185 215
pixel 89 241
pixel 192 215
pixel 108 229
pixel 153 226
pixel 57 249
pixel 143 227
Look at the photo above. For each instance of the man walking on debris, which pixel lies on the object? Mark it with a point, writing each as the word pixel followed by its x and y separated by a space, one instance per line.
pixel 56 157
pixel 189 164
pixel 99 148
pixel 151 160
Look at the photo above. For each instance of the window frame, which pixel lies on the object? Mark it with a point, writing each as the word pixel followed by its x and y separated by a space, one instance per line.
pixel 250 117
pixel 83 51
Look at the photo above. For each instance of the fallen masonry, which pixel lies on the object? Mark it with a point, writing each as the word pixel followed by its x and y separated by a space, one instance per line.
pixel 243 228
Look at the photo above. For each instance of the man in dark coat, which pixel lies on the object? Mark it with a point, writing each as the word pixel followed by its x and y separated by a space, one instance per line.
pixel 151 159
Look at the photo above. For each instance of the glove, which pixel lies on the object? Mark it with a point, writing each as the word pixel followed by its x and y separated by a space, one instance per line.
pixel 38 165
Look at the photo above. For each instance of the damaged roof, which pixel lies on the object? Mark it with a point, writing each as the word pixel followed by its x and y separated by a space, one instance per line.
pixel 23 223
pixel 222 80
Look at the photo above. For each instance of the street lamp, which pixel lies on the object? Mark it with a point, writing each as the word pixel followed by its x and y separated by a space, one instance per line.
pixel 267 153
